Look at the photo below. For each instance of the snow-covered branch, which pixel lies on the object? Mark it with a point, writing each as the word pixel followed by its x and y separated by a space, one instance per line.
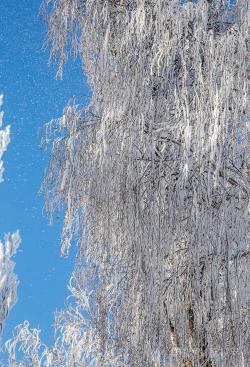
pixel 4 139
pixel 8 279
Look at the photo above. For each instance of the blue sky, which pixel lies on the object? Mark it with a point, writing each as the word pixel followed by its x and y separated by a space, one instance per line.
pixel 32 97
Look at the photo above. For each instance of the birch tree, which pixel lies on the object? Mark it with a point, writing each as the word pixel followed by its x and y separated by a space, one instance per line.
pixel 154 177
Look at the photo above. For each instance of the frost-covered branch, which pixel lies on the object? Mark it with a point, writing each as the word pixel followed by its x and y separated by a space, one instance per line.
pixel 8 279
pixel 4 139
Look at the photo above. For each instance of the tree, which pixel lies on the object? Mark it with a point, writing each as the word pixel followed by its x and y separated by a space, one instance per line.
pixel 8 279
pixel 154 175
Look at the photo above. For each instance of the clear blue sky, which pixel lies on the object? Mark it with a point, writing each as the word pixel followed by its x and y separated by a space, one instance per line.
pixel 32 97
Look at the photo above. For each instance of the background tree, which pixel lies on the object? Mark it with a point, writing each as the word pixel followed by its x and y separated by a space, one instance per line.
pixel 8 279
